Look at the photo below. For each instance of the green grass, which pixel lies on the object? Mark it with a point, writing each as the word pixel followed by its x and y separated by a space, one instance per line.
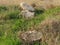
pixel 11 23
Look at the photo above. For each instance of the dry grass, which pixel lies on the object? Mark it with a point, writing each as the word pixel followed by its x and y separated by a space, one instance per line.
pixel 51 31
pixel 41 3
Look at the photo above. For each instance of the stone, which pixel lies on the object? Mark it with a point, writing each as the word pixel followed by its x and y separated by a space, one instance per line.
pixel 30 36
pixel 26 6
pixel 27 14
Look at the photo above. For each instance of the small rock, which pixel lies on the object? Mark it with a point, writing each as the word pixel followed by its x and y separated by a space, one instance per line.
pixel 26 6
pixel 27 14
pixel 30 36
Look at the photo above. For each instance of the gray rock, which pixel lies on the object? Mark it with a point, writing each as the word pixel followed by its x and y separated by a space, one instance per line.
pixel 26 6
pixel 30 36
pixel 27 14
